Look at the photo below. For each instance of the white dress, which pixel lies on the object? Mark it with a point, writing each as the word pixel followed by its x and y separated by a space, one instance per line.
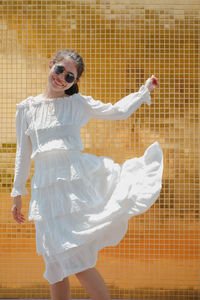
pixel 80 203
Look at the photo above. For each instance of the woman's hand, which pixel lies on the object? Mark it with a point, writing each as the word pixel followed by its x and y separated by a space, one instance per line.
pixel 152 83
pixel 16 209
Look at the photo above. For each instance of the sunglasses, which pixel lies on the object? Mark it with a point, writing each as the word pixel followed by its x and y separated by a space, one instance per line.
pixel 69 77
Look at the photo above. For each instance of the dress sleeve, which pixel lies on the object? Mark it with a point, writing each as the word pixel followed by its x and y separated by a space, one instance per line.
pixel 23 153
pixel 121 109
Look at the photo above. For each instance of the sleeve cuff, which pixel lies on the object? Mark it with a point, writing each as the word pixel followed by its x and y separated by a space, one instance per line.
pixel 146 94
pixel 16 192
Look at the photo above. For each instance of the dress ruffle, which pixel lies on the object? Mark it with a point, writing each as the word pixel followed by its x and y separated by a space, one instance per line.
pixel 85 195
pixel 65 165
pixel 77 259
pixel 68 177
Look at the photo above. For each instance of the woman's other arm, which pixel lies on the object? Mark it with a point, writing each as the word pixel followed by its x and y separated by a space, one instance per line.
pixel 22 162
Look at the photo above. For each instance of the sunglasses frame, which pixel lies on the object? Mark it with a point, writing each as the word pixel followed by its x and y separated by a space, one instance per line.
pixel 69 77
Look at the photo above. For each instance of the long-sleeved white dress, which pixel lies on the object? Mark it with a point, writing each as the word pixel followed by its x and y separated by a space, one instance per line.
pixel 80 203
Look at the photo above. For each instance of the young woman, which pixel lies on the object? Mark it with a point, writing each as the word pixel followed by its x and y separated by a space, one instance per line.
pixel 80 203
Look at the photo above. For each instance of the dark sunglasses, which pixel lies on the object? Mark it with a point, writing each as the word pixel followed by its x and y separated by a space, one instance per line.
pixel 69 77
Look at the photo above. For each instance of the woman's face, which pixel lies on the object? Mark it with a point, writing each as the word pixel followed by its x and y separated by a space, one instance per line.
pixel 57 82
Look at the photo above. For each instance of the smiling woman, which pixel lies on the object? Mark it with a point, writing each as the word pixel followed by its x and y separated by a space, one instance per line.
pixel 57 79
pixel 80 203
pixel 66 69
pixel 60 76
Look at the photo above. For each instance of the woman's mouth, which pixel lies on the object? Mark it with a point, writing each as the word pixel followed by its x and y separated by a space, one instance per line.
pixel 57 83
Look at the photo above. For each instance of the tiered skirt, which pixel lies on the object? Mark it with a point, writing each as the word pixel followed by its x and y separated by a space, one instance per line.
pixel 81 203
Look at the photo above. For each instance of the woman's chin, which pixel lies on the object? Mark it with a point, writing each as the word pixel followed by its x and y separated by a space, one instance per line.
pixel 57 88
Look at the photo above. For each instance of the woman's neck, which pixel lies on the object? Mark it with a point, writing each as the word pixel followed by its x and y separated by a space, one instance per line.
pixel 51 94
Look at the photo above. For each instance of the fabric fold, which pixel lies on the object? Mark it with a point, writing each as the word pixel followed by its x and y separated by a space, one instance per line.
pixel 63 165
pixel 83 209
pixel 18 191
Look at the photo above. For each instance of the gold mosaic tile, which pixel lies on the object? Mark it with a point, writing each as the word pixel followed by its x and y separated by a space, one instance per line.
pixel 123 43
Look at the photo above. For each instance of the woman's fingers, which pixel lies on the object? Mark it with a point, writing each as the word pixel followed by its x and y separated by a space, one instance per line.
pixel 16 210
pixel 152 83
pixel 17 215
pixel 154 80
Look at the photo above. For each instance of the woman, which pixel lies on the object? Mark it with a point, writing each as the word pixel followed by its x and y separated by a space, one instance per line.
pixel 80 203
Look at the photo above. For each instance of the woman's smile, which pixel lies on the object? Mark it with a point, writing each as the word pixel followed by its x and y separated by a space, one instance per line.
pixel 57 82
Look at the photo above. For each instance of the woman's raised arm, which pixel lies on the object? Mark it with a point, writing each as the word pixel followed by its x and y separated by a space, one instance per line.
pixel 121 109
pixel 124 107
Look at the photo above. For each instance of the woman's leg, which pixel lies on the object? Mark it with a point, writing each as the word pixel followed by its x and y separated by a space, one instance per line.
pixel 60 290
pixel 94 284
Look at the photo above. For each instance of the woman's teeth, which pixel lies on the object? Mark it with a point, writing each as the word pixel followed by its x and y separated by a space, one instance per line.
pixel 58 83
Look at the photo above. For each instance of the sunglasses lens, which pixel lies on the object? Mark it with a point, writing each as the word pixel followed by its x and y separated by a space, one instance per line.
pixel 69 77
pixel 59 69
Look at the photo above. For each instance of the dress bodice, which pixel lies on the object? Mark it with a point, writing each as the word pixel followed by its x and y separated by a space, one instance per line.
pixel 53 124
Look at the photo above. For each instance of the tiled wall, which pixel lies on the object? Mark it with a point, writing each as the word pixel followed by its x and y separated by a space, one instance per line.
pixel 123 43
